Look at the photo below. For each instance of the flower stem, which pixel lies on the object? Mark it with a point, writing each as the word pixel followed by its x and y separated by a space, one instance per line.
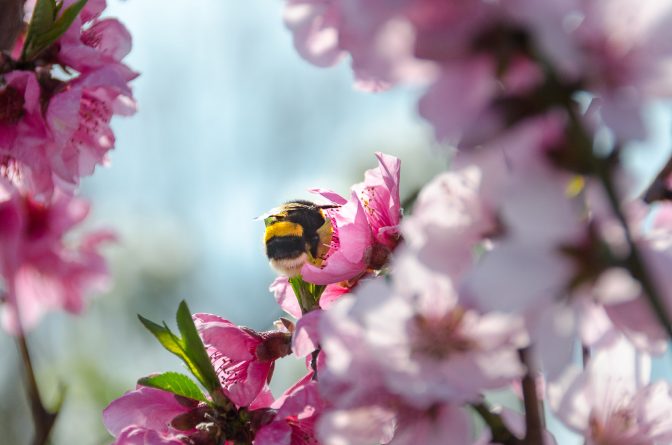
pixel 43 419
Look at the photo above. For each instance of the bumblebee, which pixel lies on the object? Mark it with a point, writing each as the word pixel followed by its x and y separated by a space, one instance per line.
pixel 296 232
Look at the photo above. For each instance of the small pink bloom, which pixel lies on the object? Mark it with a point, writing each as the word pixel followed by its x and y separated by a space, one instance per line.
pixel 103 42
pixel 242 357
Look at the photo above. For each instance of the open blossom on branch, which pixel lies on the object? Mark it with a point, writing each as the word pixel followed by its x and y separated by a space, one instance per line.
pixel 612 401
pixel 243 358
pixel 366 227
pixel 40 270
pixel 53 131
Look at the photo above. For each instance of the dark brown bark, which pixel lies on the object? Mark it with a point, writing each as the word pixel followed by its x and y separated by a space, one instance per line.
pixel 11 21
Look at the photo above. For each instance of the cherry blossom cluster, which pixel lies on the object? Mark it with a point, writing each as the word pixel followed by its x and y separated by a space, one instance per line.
pixel 532 264
pixel 62 78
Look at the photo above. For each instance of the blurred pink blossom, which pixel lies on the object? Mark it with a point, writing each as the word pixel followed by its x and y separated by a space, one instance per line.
pixel 24 137
pixel 41 273
pixel 611 402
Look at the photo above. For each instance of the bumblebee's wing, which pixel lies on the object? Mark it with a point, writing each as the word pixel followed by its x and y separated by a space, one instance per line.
pixel 276 211
pixel 287 207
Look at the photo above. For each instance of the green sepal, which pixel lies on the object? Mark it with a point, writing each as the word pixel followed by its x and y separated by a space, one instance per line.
pixel 308 294
pixel 189 348
pixel 176 383
pixel 44 28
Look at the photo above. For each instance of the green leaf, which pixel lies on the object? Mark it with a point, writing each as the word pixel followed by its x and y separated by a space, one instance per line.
pixel 195 348
pixel 163 335
pixel 43 17
pixel 176 383
pixel 45 28
pixel 189 348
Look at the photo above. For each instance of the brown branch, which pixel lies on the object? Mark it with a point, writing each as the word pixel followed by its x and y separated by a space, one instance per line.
pixel 43 419
pixel 658 189
pixel 11 22
pixel 534 420
pixel 500 433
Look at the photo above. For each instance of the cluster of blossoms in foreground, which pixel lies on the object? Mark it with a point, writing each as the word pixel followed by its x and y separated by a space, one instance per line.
pixel 62 78
pixel 533 245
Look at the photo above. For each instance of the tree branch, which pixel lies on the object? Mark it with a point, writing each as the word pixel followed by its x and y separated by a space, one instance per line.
pixel 43 419
pixel 498 429
pixel 11 22
pixel 534 421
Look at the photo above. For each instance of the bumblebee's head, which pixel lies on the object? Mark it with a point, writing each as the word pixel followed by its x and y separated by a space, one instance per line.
pixel 296 232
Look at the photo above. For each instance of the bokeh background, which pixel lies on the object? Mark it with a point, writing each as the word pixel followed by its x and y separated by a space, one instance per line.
pixel 231 122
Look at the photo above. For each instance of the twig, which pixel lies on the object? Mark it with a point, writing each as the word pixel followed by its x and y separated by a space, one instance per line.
pixel 11 22
pixel 499 431
pixel 601 168
pixel 43 419
pixel 534 421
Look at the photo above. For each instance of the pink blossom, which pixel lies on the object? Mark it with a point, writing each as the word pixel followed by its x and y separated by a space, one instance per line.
pixel 142 436
pixel 449 353
pixel 379 195
pixel 294 421
pixel 460 104
pixel 306 336
pixel 314 24
pixel 41 273
pixel 380 42
pixel 90 42
pixel 365 227
pixel 619 50
pixel 79 118
pixel 284 295
pixel 449 219
pixel 395 424
pixel 611 403
pixel 23 134
pixel 102 42
pixel 145 413
pixel 242 357
pixel 351 240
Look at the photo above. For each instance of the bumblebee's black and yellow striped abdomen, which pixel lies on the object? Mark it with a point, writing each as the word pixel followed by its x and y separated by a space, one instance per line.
pixel 296 232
